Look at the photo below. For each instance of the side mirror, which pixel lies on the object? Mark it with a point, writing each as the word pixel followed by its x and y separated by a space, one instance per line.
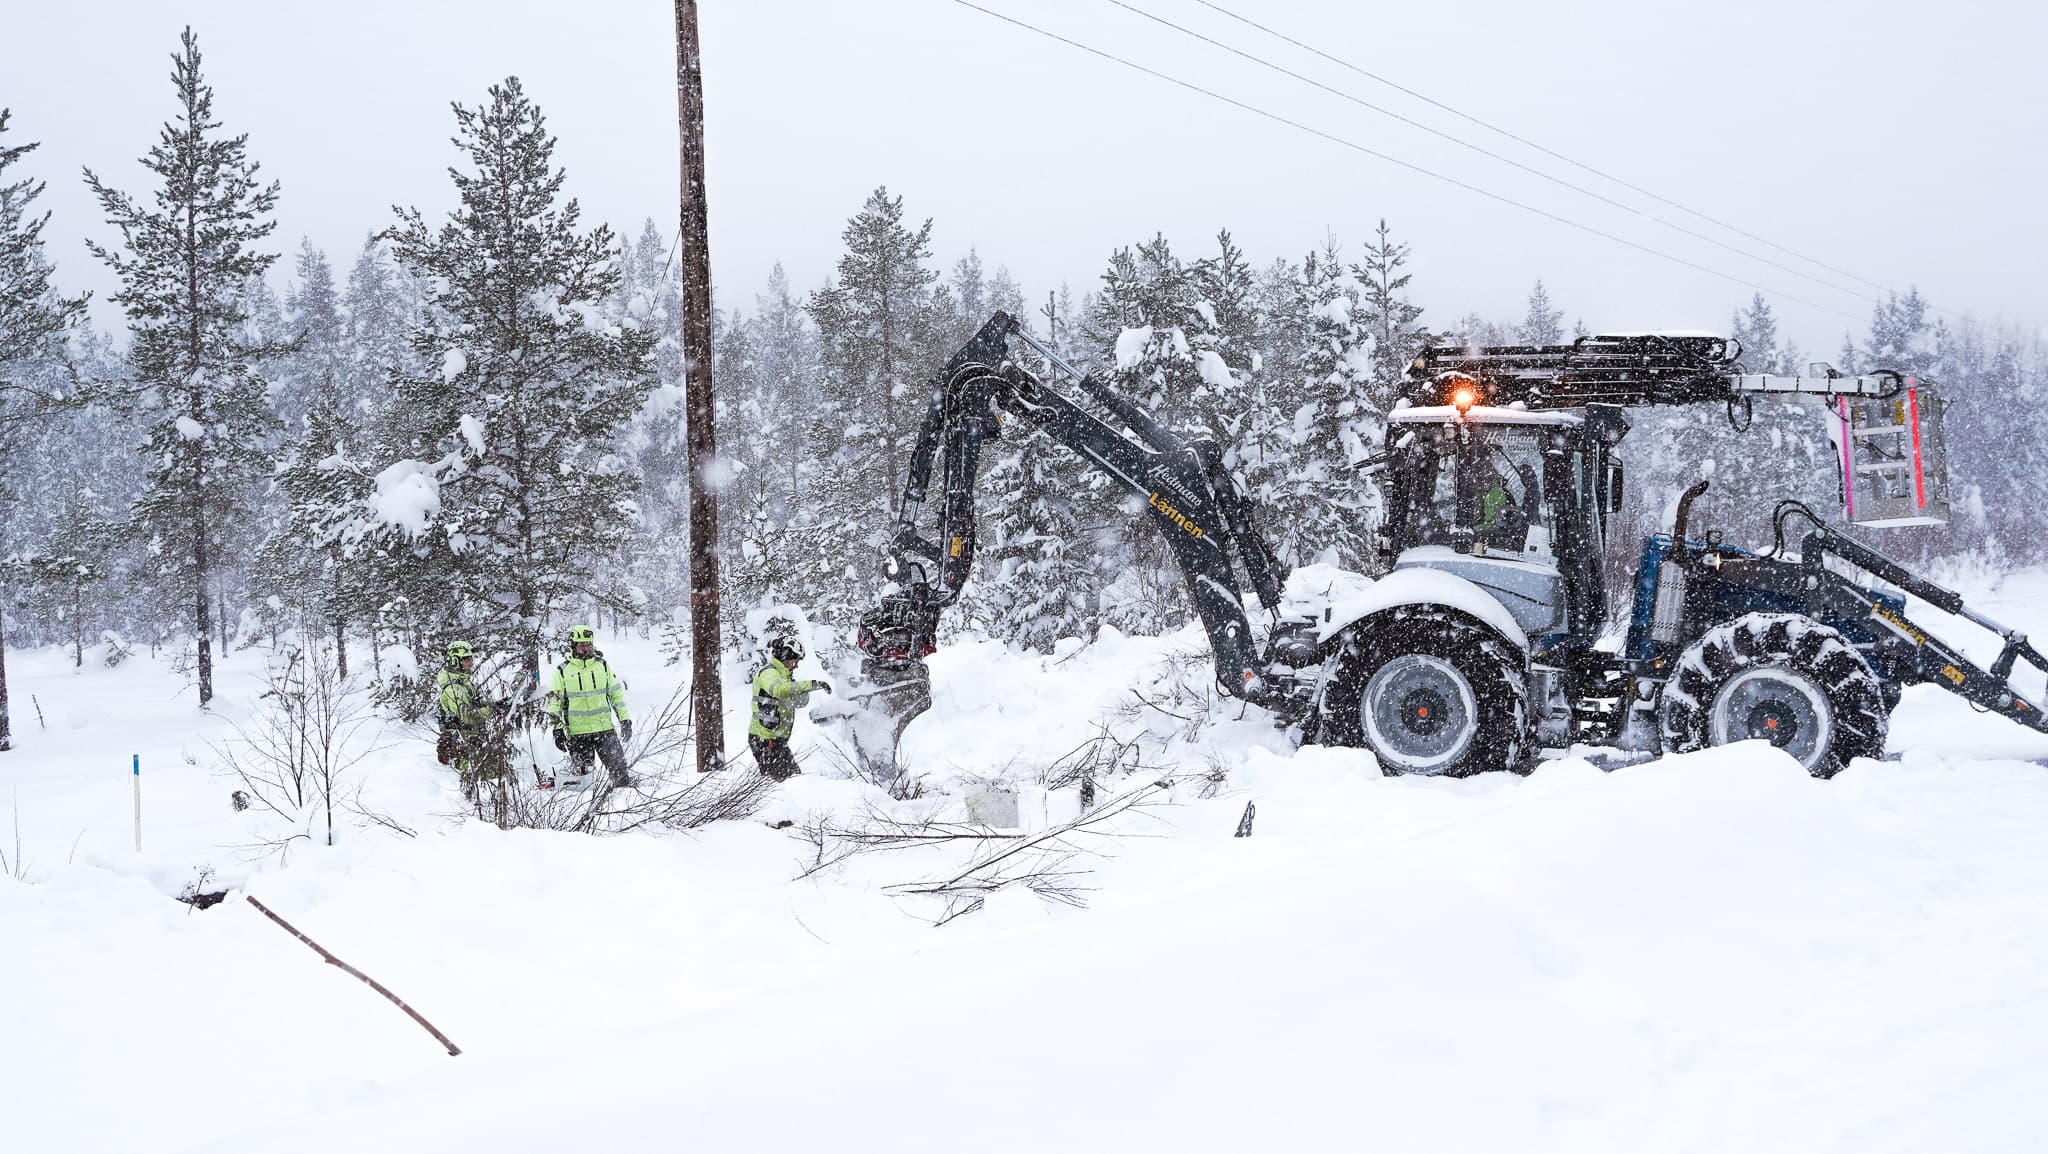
pixel 1614 487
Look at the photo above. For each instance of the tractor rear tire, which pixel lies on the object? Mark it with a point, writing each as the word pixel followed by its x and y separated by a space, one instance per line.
pixel 1781 677
pixel 1430 691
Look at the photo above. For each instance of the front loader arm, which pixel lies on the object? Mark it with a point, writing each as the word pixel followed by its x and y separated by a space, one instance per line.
pixel 1918 655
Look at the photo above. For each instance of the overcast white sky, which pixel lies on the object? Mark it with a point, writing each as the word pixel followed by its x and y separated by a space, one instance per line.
pixel 1900 142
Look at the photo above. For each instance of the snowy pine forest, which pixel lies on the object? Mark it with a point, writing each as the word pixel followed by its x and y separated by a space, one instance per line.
pixel 471 424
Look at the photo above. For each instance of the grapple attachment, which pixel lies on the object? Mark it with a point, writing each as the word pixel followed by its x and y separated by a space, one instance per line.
pixel 895 687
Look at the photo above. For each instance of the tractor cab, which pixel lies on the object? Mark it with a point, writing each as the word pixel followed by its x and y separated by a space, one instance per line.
pixel 1512 500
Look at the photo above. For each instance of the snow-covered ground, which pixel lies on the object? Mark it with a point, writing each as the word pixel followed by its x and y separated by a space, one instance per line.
pixel 1711 952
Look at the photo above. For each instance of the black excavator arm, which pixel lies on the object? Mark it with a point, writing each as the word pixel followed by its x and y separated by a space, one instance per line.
pixel 1207 522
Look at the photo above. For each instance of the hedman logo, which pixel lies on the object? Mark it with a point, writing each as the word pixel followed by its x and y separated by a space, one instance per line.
pixel 1172 482
pixel 1176 516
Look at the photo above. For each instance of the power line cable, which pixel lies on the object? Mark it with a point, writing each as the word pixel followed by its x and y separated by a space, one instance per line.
pixel 1487 152
pixel 1410 166
pixel 1550 152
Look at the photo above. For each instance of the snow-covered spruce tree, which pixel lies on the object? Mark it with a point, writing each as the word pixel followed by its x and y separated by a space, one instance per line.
pixel 1993 460
pixel 1040 581
pixel 651 296
pixel 313 316
pixel 1140 322
pixel 515 489
pixel 308 564
pixel 1394 323
pixel 33 320
pixel 1999 465
pixel 970 291
pixel 743 527
pixel 874 331
pixel 68 451
pixel 1474 331
pixel 870 321
pixel 1003 292
pixel 780 546
pixel 1223 334
pixel 1541 324
pixel 1316 506
pixel 33 317
pixel 67 574
pixel 186 258
pixel 379 306
pixel 1755 328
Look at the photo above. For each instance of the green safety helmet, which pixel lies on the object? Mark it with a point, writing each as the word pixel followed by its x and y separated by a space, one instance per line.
pixel 457 650
pixel 581 633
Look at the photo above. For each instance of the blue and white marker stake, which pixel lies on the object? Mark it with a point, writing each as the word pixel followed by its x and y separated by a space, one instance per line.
pixel 138 803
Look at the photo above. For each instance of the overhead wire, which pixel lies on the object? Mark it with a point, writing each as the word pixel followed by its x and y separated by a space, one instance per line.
pixel 1491 154
pixel 1551 152
pixel 1409 165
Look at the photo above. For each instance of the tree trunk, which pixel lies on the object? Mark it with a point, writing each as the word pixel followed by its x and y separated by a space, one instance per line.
pixel 698 405
pixel 77 627
pixel 195 348
pixel 202 625
pixel 6 735
pixel 341 648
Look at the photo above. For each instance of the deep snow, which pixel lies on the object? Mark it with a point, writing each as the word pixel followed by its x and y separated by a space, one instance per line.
pixel 1711 952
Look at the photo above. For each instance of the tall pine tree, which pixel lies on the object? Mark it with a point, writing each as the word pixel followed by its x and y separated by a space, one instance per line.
pixel 186 259
pixel 870 321
pixel 1541 324
pixel 33 319
pixel 1394 323
pixel 523 389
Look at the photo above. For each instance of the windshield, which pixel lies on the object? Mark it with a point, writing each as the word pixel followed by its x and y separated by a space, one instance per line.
pixel 1475 489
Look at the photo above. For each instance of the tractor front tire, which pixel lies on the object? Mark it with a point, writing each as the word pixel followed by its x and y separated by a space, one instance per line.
pixel 1430 691
pixel 1782 678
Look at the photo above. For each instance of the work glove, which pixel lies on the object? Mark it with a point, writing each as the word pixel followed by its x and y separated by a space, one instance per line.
pixel 824 685
pixel 561 741
pixel 626 732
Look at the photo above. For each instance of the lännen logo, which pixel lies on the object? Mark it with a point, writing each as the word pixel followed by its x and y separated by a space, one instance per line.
pixel 1176 516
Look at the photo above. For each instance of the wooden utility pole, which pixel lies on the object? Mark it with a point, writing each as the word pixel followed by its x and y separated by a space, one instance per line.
pixel 698 413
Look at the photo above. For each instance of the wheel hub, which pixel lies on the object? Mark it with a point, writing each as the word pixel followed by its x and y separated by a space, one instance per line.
pixel 1423 711
pixel 1419 713
pixel 1775 723
pixel 1778 705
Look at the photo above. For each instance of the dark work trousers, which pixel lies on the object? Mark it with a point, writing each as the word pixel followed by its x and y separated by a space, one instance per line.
pixel 774 757
pixel 603 746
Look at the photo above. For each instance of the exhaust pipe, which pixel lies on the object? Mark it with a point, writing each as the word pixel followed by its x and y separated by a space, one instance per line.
pixel 1678 524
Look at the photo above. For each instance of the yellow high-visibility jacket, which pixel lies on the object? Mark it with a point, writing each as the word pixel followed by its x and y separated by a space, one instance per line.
pixel 585 695
pixel 777 697
pixel 461 708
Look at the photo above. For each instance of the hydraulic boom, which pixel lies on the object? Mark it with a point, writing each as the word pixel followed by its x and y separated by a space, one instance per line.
pixel 1207 522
